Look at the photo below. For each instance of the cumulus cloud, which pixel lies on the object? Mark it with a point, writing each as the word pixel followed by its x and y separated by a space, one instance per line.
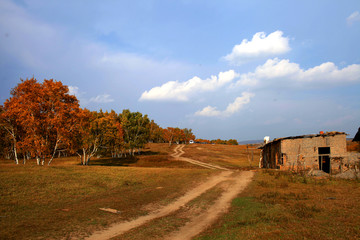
pixel 209 111
pixel 232 108
pixel 182 91
pixel 73 90
pixel 104 98
pixel 260 46
pixel 291 74
pixel 354 17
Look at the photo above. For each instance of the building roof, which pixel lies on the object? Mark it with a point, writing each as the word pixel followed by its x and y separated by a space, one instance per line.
pixel 357 137
pixel 327 134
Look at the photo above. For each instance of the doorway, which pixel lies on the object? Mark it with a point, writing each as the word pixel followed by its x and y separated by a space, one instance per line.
pixel 324 159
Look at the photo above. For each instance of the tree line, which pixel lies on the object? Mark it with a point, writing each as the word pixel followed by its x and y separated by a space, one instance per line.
pixel 217 141
pixel 42 120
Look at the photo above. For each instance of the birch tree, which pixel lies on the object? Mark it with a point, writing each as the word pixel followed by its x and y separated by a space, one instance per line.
pixel 136 130
pixel 39 118
pixel 89 135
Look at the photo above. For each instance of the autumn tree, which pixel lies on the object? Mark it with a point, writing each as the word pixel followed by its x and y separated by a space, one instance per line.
pixel 113 134
pixel 188 135
pixel 168 135
pixel 232 142
pixel 60 110
pixel 179 135
pixel 40 118
pixel 204 141
pixel 96 130
pixel 6 146
pixel 85 142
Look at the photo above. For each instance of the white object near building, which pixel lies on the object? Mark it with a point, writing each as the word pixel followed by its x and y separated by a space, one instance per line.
pixel 266 139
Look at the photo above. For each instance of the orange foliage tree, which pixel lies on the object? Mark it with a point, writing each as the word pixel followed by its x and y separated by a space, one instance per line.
pixel 188 135
pixel 168 134
pixel 98 131
pixel 40 118
pixel 179 135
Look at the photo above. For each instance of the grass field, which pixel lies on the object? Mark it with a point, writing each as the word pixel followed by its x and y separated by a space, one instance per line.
pixel 62 201
pixel 224 155
pixel 280 205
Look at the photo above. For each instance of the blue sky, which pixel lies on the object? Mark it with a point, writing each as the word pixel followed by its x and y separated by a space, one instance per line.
pixel 226 69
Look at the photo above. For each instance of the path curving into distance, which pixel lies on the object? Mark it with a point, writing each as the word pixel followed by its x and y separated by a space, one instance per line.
pixel 179 151
pixel 236 181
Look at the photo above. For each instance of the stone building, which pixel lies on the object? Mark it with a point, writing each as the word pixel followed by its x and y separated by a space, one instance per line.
pixel 324 151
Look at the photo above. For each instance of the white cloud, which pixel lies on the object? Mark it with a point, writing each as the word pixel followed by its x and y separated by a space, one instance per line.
pixel 259 47
pixel 354 17
pixel 209 111
pixel 292 75
pixel 182 91
pixel 104 98
pixel 73 90
pixel 232 108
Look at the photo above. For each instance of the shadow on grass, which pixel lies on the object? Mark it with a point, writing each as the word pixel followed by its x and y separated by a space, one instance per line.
pixel 108 161
pixel 149 153
pixel 124 161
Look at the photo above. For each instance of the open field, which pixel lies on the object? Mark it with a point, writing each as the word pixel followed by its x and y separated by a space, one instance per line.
pixel 230 156
pixel 62 201
pixel 280 205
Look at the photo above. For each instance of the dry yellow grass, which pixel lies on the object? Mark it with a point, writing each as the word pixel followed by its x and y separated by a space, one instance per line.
pixel 63 200
pixel 233 156
pixel 282 205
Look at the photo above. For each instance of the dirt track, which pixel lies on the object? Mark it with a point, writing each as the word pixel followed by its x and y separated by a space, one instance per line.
pixel 179 151
pixel 235 182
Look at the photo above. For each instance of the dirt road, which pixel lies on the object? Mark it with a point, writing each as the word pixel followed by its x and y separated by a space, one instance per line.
pixel 233 183
pixel 179 151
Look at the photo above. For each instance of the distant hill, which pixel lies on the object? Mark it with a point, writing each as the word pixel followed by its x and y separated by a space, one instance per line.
pixel 250 142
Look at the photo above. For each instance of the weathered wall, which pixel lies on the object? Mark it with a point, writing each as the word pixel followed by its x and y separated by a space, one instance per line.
pixel 303 152
pixel 270 153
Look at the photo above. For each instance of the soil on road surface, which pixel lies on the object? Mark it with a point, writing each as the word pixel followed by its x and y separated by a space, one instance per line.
pixel 232 182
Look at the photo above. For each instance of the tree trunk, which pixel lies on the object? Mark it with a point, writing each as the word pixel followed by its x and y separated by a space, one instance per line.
pixel 84 157
pixel 15 154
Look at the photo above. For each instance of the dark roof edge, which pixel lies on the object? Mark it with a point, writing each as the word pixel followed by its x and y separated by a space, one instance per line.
pixel 357 136
pixel 306 136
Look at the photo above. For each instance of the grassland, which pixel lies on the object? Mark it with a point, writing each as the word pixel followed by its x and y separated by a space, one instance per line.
pixel 62 201
pixel 231 156
pixel 281 205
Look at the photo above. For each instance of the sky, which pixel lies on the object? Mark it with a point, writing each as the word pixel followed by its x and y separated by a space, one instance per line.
pixel 226 69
